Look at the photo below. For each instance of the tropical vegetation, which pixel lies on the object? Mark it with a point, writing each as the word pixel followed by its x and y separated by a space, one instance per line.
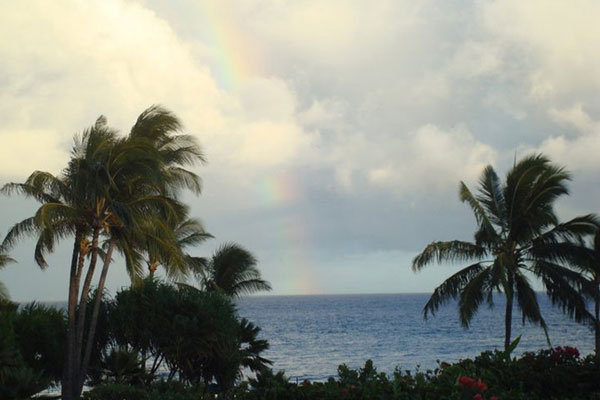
pixel 119 190
pixel 518 237
pixel 31 349
pixel 557 373
pixel 232 270
pixel 184 333
pixel 176 338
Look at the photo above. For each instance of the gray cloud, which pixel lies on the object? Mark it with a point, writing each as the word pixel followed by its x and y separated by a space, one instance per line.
pixel 336 131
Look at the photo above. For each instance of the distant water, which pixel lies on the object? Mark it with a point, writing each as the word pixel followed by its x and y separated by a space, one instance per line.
pixel 310 336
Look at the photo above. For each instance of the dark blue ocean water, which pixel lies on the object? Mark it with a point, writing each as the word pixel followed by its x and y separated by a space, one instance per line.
pixel 311 335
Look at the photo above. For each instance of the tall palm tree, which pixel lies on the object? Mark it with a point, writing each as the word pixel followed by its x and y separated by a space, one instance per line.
pixel 151 195
pixel 232 269
pixel 110 184
pixel 73 203
pixel 4 260
pixel 516 238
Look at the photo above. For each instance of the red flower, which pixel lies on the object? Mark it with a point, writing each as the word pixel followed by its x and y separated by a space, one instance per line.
pixel 478 397
pixel 493 398
pixel 465 381
pixel 480 385
pixel 572 351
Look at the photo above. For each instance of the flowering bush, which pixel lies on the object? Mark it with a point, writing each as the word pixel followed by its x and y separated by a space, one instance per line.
pixel 474 388
pixel 558 373
pixel 560 355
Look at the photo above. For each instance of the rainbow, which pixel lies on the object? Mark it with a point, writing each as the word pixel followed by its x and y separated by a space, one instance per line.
pixel 293 235
pixel 233 57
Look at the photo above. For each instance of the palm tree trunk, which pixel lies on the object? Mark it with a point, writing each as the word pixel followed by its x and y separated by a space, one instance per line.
pixel 94 320
pixel 508 314
pixel 66 387
pixel 82 310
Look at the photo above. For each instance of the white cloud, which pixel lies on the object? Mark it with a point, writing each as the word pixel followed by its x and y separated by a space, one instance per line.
pixel 25 151
pixel 578 151
pixel 576 117
pixel 69 62
pixel 556 40
pixel 428 161
pixel 270 144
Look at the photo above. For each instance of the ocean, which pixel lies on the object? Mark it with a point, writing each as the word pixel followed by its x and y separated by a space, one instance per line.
pixel 310 336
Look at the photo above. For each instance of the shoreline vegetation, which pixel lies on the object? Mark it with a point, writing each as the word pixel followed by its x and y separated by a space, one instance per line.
pixel 120 195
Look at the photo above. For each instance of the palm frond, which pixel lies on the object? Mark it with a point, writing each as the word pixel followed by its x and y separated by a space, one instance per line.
pixel 5 260
pixel 492 197
pixel 26 227
pixel 564 287
pixel 486 229
pixel 249 286
pixel 451 251
pixel 451 288
pixel 572 230
pixel 471 296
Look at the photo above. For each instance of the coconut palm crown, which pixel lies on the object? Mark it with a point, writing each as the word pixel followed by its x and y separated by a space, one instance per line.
pixel 232 269
pixel 518 236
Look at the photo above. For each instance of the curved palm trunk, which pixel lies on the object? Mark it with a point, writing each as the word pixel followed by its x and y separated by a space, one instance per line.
pixel 66 388
pixel 94 320
pixel 508 313
pixel 82 310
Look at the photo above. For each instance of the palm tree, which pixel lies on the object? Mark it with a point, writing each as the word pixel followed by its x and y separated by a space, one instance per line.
pixel 110 185
pixel 4 259
pixel 232 269
pixel 150 193
pixel 517 237
pixel 72 204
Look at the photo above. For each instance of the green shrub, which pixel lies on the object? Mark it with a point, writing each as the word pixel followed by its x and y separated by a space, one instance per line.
pixel 31 344
pixel 116 391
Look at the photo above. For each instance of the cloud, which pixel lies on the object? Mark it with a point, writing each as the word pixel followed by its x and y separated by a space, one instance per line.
pixel 577 152
pixel 575 117
pixel 427 161
pixel 356 118
pixel 70 62
pixel 557 42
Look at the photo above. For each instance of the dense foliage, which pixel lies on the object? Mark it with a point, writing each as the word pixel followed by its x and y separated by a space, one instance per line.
pixel 192 335
pixel 558 373
pixel 31 343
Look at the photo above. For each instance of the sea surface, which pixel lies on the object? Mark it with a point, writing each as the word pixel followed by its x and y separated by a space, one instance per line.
pixel 310 336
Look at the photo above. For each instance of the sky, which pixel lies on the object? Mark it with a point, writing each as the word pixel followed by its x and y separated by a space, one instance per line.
pixel 336 131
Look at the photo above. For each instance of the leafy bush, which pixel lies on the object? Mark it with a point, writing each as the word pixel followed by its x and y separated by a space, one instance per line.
pixel 196 334
pixel 558 373
pixel 31 343
pixel 548 374
pixel 116 391
pixel 41 333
